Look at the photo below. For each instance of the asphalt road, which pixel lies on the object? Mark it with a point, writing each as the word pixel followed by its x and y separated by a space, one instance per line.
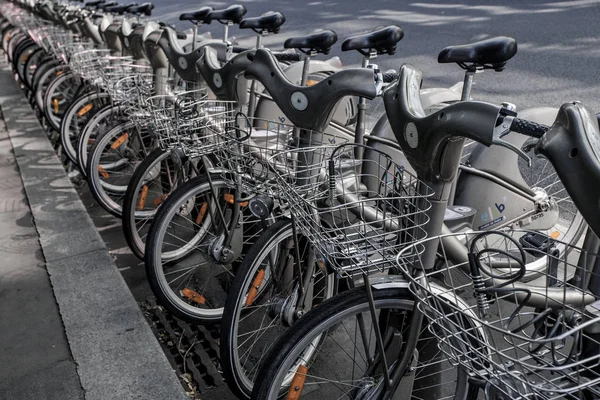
pixel 558 40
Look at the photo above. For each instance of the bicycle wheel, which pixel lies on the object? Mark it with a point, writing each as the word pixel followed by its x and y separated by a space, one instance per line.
pixel 152 180
pixel 16 40
pixel 112 162
pixel 21 54
pixel 58 97
pixel 187 270
pixel 109 117
pixel 36 59
pixel 79 113
pixel 331 353
pixel 263 302
pixel 43 78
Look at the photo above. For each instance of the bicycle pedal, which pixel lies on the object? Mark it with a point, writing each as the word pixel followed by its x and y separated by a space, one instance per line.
pixel 534 243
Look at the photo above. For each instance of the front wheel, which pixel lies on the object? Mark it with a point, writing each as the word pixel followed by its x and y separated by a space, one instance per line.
pixel 112 162
pixel 345 362
pixel 58 97
pixel 183 246
pixel 264 301
pixel 79 113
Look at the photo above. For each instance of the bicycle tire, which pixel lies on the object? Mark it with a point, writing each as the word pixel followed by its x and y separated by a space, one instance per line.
pixel 320 322
pixel 73 121
pixel 42 81
pixel 131 207
pixel 110 194
pixel 103 121
pixel 37 58
pixel 213 294
pixel 53 116
pixel 274 240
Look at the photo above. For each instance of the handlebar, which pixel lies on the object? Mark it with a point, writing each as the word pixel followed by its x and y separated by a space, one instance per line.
pixel 528 128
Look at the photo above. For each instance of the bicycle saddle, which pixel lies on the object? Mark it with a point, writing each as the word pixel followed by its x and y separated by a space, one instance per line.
pixel 197 16
pixel 309 107
pixel 319 42
pixel 233 14
pixel 94 3
pixel 104 6
pixel 383 40
pixel 122 9
pixel 143 9
pixel 221 79
pixel 489 53
pixel 268 22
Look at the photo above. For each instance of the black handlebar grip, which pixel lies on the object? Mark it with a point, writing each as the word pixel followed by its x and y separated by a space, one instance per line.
pixel 390 76
pixel 528 128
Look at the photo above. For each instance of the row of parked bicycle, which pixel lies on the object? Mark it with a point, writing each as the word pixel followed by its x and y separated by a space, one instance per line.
pixel 341 262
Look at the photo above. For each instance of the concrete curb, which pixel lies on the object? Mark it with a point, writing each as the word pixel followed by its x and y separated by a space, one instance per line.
pixel 116 353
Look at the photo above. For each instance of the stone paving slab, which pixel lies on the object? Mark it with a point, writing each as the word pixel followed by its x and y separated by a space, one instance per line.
pixel 116 353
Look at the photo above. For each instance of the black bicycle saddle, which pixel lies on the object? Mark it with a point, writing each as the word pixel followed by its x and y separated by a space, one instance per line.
pixel 120 9
pixel 492 53
pixel 383 40
pixel 104 6
pixel 233 14
pixel 94 3
pixel 268 22
pixel 319 42
pixel 143 9
pixel 309 107
pixel 197 16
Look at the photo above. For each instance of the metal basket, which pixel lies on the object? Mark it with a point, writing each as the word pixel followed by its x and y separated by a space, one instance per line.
pixel 132 89
pixel 190 122
pixel 357 214
pixel 538 340
pixel 257 149
pixel 84 61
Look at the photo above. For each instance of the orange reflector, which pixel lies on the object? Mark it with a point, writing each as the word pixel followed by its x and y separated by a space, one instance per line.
pixel 25 58
pixel 103 172
pixel 59 73
pixel 143 196
pixel 555 235
pixel 117 143
pixel 85 110
pixel 158 201
pixel 260 276
pixel 55 105
pixel 230 199
pixel 311 82
pixel 297 383
pixel 202 213
pixel 195 297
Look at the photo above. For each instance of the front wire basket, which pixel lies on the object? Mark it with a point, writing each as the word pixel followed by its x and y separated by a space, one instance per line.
pixel 191 122
pixel 535 340
pixel 257 151
pixel 357 214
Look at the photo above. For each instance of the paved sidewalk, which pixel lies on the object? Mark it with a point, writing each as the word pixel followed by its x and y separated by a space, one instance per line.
pixel 36 361
pixel 80 333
